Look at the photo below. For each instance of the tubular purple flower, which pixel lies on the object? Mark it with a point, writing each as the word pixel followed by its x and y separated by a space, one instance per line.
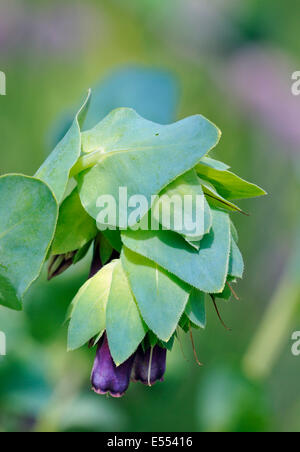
pixel 106 376
pixel 150 366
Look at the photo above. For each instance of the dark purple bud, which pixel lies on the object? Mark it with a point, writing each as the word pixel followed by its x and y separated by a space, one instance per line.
pixel 60 263
pixel 106 376
pixel 149 366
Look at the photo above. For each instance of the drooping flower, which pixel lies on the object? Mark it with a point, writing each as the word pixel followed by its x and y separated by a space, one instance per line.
pixel 150 365
pixel 107 378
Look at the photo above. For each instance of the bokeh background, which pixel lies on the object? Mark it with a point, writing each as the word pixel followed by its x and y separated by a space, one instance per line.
pixel 232 62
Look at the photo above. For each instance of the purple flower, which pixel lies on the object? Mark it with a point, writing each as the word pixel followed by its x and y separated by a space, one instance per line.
pixel 106 376
pixel 149 366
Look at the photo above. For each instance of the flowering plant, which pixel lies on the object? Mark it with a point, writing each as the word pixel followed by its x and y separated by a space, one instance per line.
pixel 145 283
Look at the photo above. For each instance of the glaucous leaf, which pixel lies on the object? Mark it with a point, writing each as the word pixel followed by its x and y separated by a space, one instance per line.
pixel 88 310
pixel 75 228
pixel 236 263
pixel 212 163
pixel 129 151
pixel 55 171
pixel 215 200
pixel 228 184
pixel 194 243
pixel 205 269
pixel 234 232
pixel 124 325
pixel 161 296
pixel 28 215
pixel 186 185
pixel 195 308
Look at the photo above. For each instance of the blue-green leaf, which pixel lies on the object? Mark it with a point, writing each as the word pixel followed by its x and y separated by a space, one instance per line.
pixel 124 325
pixel 215 200
pixel 75 228
pixel 205 269
pixel 236 263
pixel 212 163
pixel 129 151
pixel 28 215
pixel 88 311
pixel 186 185
pixel 161 296
pixel 55 171
pixel 195 308
pixel 234 232
pixel 228 184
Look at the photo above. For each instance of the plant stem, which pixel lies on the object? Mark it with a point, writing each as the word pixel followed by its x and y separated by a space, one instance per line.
pixel 273 332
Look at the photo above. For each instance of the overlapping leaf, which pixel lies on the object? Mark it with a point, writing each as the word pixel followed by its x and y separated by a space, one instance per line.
pixel 161 296
pixel 75 228
pixel 228 184
pixel 28 215
pixel 172 203
pixel 88 315
pixel 212 163
pixel 195 308
pixel 129 151
pixel 56 169
pixel 205 269
pixel 106 250
pixel 236 263
pixel 124 325
pixel 215 199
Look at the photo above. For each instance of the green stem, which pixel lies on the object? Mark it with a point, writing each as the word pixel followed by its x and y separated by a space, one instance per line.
pixel 274 330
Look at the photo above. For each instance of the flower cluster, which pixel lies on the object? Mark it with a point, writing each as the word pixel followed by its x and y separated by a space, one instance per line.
pixel 145 285
pixel 147 367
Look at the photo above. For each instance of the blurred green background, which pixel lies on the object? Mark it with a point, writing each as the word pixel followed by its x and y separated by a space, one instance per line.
pixel 232 62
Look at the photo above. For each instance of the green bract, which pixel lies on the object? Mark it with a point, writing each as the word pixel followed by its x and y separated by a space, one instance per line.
pixel 161 296
pixel 88 310
pixel 125 150
pixel 56 169
pixel 205 269
pixel 153 281
pixel 75 228
pixel 28 214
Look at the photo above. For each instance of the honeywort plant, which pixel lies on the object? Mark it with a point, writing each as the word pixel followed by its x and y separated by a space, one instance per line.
pixel 144 285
